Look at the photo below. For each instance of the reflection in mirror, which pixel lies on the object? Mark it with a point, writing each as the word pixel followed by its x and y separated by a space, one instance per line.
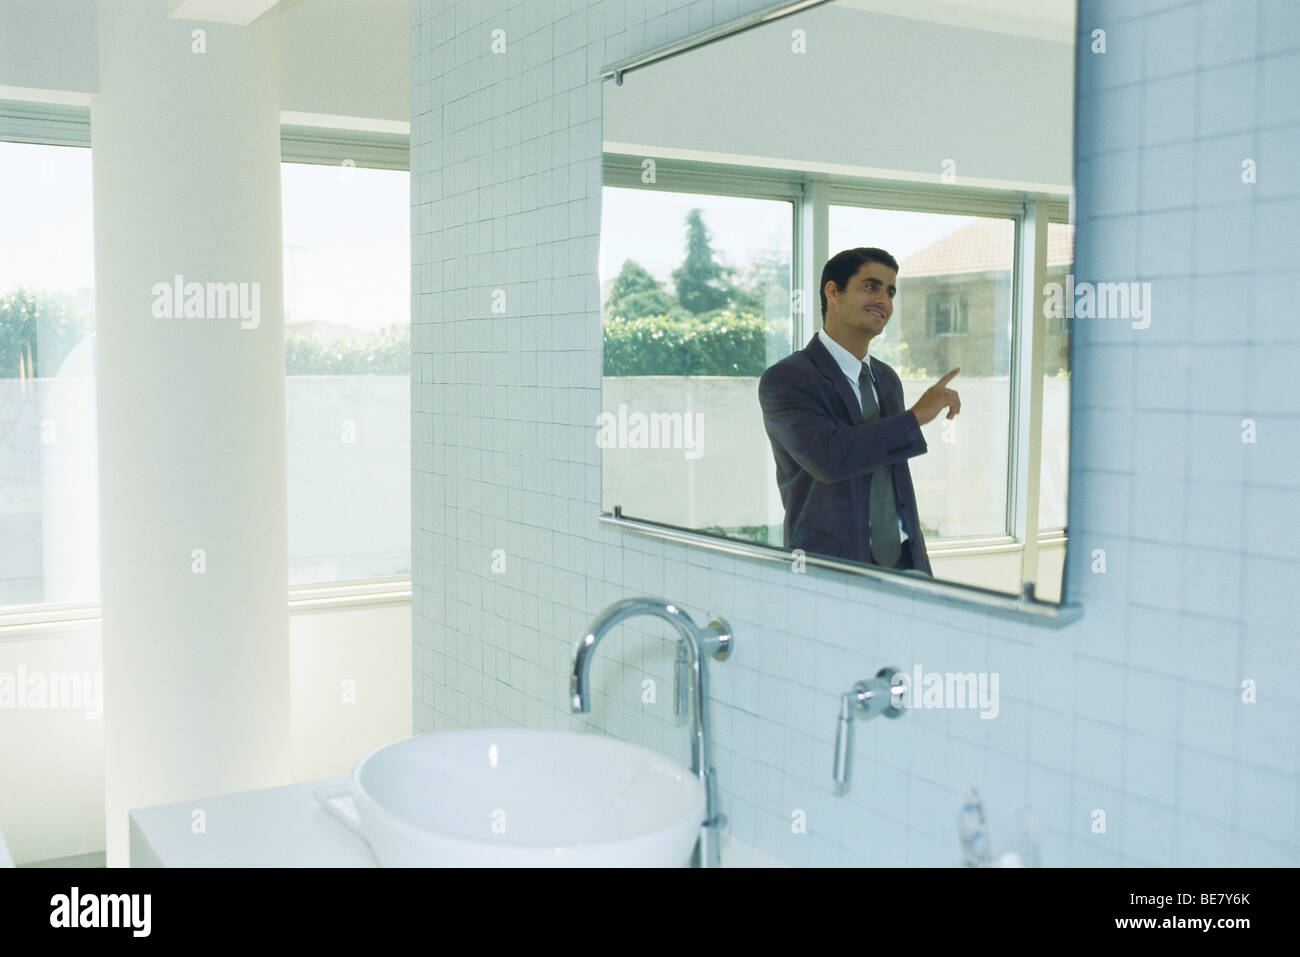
pixel 763 193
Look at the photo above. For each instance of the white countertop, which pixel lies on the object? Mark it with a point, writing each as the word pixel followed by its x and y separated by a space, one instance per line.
pixel 272 827
pixel 281 827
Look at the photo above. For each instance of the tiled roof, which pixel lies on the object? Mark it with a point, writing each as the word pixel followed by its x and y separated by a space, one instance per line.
pixel 981 246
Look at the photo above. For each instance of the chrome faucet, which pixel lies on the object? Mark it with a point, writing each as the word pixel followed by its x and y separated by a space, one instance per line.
pixel 714 641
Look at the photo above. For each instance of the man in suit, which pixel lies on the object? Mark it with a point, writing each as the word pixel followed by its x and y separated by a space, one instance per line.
pixel 839 432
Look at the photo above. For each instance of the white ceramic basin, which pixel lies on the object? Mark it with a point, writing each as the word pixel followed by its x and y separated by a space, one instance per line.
pixel 511 797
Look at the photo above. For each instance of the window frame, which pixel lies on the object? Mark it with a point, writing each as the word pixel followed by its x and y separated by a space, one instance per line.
pixel 1056 216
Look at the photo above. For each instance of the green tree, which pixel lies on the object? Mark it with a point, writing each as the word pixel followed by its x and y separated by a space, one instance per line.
pixel 635 293
pixel 38 331
pixel 702 283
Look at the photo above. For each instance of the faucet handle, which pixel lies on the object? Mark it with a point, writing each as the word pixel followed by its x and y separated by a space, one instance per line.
pixel 844 737
pixel 878 696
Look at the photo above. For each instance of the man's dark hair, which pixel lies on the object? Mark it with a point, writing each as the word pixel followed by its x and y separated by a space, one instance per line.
pixel 844 266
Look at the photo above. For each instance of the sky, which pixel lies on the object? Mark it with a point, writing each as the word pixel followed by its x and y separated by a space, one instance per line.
pixel 46 241
pixel 347 242
pixel 649 226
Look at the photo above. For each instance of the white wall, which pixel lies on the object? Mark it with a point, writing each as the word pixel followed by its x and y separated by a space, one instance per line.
pixel 52 759
pixel 1135 710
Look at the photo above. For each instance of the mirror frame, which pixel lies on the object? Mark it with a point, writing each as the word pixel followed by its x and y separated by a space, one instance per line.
pixel 1038 213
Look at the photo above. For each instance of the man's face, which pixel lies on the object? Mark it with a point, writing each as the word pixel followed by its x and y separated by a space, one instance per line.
pixel 867 302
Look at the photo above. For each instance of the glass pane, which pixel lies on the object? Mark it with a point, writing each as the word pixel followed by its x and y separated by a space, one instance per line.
pixel 695 300
pixel 952 309
pixel 49 477
pixel 347 302
pixel 1056 387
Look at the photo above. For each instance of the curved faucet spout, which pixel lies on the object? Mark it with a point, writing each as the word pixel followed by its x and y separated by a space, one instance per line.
pixel 714 640
pixel 620 611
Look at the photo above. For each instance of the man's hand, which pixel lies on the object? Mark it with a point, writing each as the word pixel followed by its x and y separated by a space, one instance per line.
pixel 937 398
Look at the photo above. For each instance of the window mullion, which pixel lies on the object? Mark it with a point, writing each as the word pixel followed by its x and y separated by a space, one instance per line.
pixel 1028 402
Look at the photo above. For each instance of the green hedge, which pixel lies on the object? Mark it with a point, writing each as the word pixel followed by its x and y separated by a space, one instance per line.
pixel 387 354
pixel 719 343
pixel 38 329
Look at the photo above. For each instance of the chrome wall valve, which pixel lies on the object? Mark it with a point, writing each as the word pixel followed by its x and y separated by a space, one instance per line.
pixel 867 698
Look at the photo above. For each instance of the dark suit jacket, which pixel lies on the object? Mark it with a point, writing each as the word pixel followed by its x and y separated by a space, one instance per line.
pixel 825 454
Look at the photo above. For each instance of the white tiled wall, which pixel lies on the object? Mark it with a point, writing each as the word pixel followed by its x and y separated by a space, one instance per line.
pixel 1135 711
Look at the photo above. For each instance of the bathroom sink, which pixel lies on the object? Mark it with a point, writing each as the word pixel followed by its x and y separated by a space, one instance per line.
pixel 513 797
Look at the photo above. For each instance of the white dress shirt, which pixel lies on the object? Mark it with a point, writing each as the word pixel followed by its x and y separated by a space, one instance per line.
pixel 851 366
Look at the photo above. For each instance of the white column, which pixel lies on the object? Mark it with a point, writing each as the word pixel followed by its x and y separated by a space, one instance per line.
pixel 193 520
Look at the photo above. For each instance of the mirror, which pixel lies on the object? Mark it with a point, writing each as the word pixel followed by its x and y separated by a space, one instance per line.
pixel 938 137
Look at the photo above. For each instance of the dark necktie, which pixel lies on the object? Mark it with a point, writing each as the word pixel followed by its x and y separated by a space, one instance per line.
pixel 885 545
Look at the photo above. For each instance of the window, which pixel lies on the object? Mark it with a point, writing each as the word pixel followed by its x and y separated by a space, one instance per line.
pixel 695 304
pixel 949 315
pixel 49 489
pixel 347 278
pixel 961 264
pixel 347 319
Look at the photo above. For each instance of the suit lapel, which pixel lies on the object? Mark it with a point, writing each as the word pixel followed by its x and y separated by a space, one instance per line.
pixel 827 366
